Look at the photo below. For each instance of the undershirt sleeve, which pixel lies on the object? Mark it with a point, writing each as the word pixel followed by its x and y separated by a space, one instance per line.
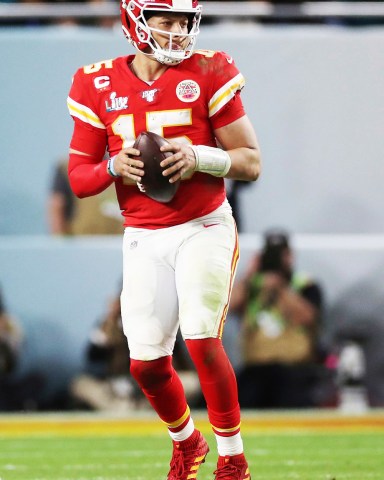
pixel 88 173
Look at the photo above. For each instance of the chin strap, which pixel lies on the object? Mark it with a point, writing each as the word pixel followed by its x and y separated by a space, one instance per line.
pixel 164 59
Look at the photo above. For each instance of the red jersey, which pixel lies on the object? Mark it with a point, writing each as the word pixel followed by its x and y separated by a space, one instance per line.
pixel 186 104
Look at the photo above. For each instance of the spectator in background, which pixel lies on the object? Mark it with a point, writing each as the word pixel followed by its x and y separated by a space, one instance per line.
pixel 368 334
pixel 67 215
pixel 16 392
pixel 280 310
pixel 10 341
pixel 106 383
pixel 357 324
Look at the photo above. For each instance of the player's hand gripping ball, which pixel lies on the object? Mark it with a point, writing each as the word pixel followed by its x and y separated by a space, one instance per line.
pixel 153 182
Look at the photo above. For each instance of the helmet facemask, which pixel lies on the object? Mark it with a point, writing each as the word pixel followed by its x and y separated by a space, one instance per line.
pixel 137 31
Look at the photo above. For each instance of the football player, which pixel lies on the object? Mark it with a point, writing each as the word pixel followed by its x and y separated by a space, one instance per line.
pixel 180 257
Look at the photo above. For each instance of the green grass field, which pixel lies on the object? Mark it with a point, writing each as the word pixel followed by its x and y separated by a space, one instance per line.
pixel 297 446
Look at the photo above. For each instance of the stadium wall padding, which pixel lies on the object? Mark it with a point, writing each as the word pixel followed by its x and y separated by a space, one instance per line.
pixel 58 288
pixel 314 95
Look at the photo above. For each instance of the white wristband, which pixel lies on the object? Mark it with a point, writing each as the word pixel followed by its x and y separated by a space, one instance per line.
pixel 214 161
pixel 110 168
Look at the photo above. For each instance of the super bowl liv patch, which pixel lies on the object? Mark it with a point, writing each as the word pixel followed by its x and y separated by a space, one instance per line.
pixel 116 103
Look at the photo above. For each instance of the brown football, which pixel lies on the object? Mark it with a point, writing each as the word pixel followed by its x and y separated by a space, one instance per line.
pixel 153 183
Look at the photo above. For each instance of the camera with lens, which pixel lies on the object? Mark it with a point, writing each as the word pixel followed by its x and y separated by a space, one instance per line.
pixel 271 260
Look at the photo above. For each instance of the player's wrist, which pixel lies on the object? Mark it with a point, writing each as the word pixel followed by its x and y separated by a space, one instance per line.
pixel 110 167
pixel 214 161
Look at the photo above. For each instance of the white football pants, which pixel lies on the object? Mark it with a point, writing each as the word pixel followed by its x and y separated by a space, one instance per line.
pixel 180 275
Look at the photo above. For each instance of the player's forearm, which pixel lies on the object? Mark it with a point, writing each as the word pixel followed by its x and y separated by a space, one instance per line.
pixel 245 164
pixel 239 164
pixel 87 177
pixel 240 142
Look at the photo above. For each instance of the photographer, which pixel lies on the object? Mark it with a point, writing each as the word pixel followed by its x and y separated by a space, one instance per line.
pixel 280 310
pixel 10 341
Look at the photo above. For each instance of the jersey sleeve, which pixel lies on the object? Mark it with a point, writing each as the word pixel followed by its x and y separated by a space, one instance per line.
pixel 91 135
pixel 81 104
pixel 225 105
pixel 87 173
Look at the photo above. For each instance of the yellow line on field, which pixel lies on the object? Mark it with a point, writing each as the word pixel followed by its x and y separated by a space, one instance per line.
pixel 73 424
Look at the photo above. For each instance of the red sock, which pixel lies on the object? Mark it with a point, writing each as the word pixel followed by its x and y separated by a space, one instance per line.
pixel 218 384
pixel 163 389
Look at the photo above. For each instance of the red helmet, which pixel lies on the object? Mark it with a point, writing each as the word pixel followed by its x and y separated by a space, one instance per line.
pixel 139 34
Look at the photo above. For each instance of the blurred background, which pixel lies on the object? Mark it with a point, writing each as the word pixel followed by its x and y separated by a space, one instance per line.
pixel 314 78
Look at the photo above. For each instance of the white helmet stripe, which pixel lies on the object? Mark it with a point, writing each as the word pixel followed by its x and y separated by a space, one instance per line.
pixel 182 3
